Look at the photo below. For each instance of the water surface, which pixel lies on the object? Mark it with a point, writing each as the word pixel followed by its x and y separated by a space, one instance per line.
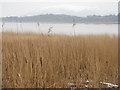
pixel 62 28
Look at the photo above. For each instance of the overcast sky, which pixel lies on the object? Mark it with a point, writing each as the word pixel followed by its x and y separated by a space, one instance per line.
pixel 69 7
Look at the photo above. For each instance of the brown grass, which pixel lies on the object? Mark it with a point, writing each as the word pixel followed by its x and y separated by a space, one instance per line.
pixel 42 61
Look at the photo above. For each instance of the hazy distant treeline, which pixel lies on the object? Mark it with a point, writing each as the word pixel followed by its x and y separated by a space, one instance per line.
pixel 63 19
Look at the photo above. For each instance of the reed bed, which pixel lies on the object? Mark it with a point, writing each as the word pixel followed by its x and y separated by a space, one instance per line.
pixel 54 61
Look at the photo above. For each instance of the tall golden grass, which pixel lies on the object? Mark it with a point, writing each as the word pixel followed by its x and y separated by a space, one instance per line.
pixel 42 61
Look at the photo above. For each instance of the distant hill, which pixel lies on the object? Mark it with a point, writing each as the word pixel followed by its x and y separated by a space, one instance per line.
pixel 63 19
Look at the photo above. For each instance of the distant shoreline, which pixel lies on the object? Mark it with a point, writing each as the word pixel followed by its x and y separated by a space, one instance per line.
pixel 65 22
pixel 52 18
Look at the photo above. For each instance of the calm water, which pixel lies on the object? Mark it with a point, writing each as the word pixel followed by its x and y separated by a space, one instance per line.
pixel 62 28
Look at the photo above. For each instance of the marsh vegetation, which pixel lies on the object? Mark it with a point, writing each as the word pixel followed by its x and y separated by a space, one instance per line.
pixel 42 61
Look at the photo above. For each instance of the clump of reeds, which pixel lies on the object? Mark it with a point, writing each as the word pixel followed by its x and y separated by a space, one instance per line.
pixel 38 61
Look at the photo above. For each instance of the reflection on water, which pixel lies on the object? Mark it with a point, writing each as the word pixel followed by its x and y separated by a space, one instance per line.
pixel 64 28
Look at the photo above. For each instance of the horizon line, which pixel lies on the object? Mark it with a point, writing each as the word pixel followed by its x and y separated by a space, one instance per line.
pixel 59 14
